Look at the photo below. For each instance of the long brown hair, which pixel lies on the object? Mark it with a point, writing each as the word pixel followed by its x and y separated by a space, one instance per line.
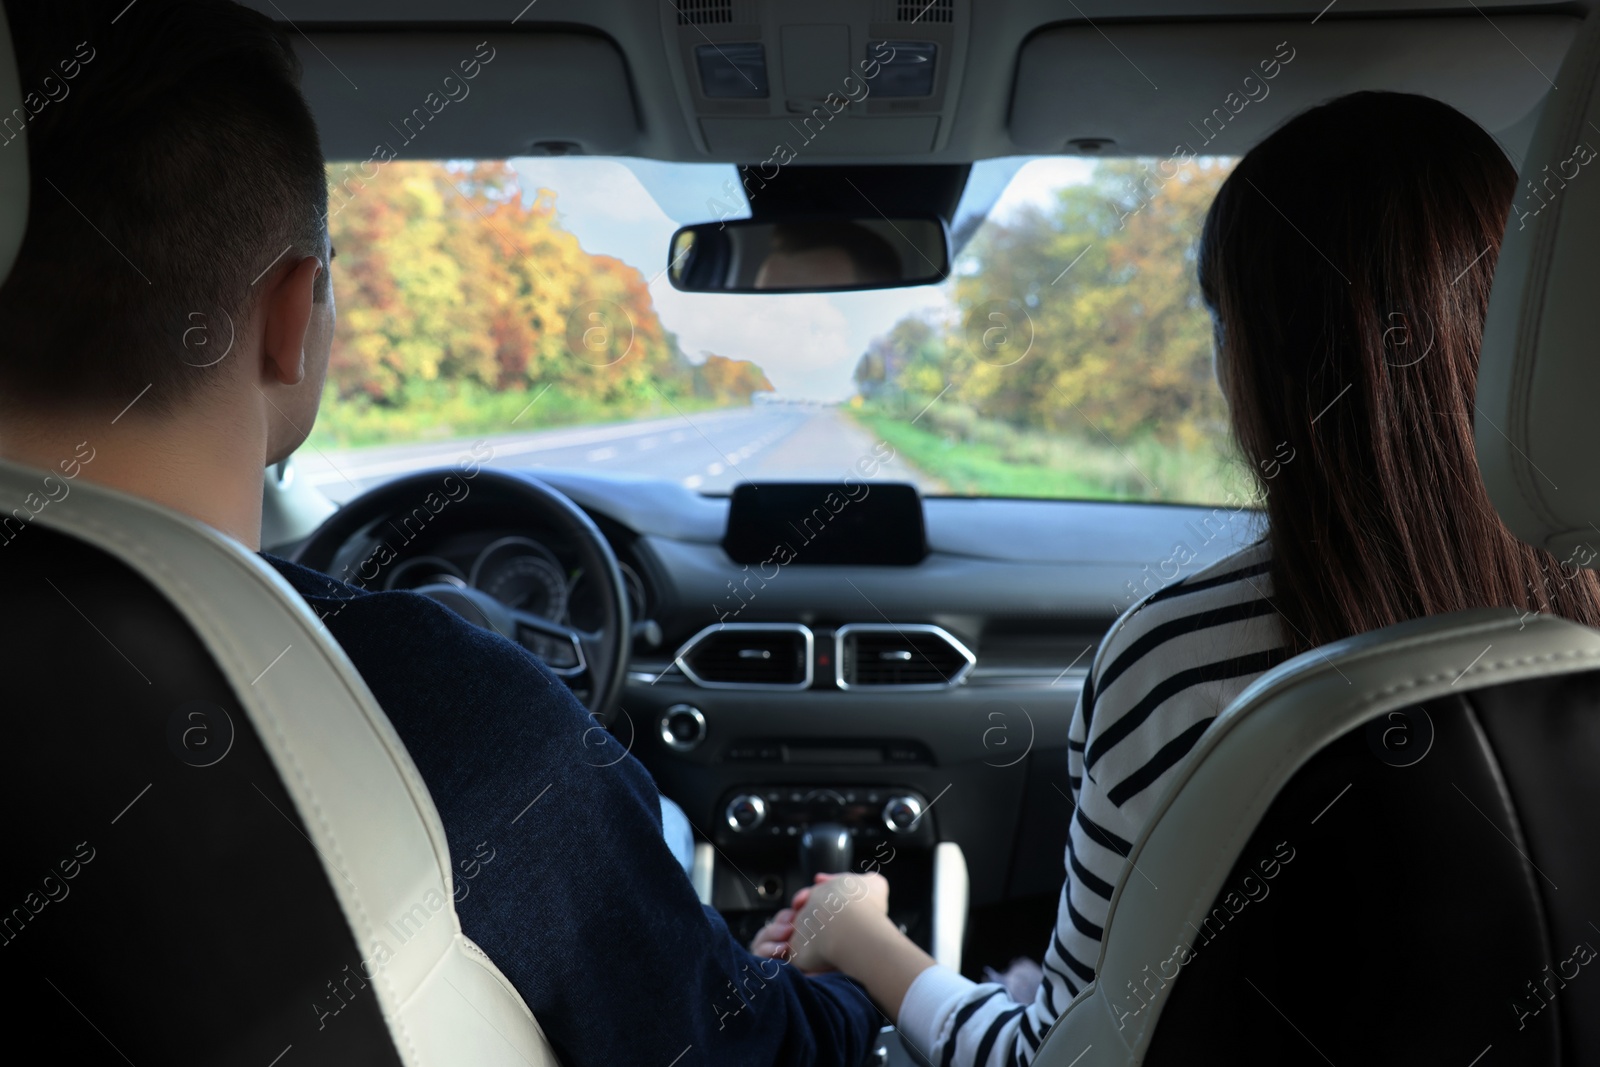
pixel 1348 259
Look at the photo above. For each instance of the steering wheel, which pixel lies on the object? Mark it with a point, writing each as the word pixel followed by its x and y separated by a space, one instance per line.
pixel 596 657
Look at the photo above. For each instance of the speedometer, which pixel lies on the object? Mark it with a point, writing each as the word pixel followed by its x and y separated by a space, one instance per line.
pixel 588 612
pixel 523 574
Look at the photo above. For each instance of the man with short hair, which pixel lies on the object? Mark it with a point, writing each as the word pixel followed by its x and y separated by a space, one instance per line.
pixel 171 303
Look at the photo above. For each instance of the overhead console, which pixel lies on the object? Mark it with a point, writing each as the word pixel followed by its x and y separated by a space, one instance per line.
pixel 828 80
pixel 1216 89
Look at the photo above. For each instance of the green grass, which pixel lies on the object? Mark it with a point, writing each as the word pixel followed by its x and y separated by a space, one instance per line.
pixel 443 411
pixel 974 456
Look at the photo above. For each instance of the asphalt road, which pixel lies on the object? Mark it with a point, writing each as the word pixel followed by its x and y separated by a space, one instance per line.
pixel 706 451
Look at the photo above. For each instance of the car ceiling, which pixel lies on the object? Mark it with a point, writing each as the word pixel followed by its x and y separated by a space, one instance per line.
pixel 1015 77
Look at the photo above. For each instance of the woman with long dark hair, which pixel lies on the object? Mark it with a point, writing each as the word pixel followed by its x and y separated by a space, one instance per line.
pixel 1347 262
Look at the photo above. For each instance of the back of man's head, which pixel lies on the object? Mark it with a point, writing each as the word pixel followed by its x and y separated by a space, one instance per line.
pixel 172 162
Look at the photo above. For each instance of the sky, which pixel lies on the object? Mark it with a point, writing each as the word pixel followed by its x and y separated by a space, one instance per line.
pixel 808 343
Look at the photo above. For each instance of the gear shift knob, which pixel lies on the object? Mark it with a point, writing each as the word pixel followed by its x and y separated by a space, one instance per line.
pixel 825 848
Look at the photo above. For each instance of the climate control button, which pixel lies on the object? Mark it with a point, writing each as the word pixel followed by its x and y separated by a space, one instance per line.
pixel 745 812
pixel 682 727
pixel 902 813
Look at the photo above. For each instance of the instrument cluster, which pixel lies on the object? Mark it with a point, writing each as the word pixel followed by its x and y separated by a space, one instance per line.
pixel 524 574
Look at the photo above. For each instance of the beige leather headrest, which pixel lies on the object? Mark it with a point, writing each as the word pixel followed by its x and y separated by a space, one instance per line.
pixel 1538 417
pixel 13 154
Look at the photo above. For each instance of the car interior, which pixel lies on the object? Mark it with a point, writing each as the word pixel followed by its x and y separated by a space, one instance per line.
pixel 847 653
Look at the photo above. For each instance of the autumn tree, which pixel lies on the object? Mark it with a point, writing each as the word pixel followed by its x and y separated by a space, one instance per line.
pixel 723 379
pixel 1084 311
pixel 450 273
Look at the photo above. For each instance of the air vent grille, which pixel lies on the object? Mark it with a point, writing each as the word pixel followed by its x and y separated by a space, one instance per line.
pixel 905 656
pixel 915 11
pixel 716 12
pixel 749 655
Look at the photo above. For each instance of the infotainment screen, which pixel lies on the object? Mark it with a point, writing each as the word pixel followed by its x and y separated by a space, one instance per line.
pixel 857 522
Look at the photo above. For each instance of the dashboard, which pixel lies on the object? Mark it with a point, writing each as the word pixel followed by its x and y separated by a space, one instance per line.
pixel 763 699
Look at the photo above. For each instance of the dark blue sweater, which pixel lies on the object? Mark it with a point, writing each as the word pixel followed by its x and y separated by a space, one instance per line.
pixel 562 875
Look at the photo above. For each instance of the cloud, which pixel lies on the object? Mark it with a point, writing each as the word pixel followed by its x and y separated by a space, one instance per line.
pixel 1038 182
pixel 592 188
pixel 802 340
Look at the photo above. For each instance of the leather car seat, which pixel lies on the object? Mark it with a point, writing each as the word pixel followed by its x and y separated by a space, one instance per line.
pixel 220 850
pixel 1384 851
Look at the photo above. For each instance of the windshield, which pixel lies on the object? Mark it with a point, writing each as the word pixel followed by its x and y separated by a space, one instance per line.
pixel 525 303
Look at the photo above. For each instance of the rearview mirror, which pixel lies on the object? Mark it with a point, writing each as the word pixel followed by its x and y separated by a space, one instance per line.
pixel 808 255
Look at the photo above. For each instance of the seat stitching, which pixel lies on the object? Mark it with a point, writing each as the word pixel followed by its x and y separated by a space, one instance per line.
pixel 1490 668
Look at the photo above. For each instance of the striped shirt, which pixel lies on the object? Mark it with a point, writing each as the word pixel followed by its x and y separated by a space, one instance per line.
pixel 1168 666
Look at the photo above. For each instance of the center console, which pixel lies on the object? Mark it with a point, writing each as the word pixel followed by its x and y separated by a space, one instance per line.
pixel 769 841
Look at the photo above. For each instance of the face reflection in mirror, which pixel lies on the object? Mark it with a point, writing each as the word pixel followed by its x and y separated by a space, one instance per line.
pixel 824 254
pixel 813 267
pixel 808 254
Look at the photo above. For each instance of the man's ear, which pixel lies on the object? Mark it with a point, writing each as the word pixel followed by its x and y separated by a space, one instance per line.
pixel 286 314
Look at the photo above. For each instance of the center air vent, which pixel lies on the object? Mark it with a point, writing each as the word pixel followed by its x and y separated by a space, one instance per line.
pixel 749 655
pixel 910 655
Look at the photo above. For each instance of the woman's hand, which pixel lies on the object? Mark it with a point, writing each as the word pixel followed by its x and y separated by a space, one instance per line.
pixel 839 911
pixel 842 922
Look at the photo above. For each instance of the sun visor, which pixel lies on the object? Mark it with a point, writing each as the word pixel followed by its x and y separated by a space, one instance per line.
pixel 1218 89
pixel 380 96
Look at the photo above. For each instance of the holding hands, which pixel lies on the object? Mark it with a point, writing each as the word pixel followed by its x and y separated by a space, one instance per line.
pixel 814 933
pixel 842 923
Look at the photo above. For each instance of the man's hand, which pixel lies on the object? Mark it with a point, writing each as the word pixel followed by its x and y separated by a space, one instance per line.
pixel 772 940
